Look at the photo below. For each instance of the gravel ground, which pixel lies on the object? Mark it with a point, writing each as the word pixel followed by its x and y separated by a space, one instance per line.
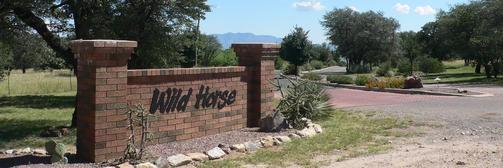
pixel 208 142
pixel 161 150
pixel 461 131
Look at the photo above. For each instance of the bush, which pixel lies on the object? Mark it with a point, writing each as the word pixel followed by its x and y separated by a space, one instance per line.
pixel 430 65
pixel 312 76
pixel 304 99
pixel 404 67
pixel 306 67
pixel 340 79
pixel 290 70
pixel 385 69
pixel 359 69
pixel 317 64
pixel 389 82
pixel 362 80
pixel 280 64
pixel 332 63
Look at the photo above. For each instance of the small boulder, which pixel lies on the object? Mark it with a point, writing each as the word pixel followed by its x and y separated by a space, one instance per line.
pixel 24 151
pixel 306 132
pixel 51 132
pixel 293 136
pixel 239 148
pixel 283 139
pixel 39 152
pixel 125 165
pixel 10 151
pixel 225 148
pixel 252 146
pixel 215 153
pixel 274 123
pixel 145 165
pixel 198 156
pixel 267 141
pixel 413 82
pixel 162 162
pixel 179 160
pixel 317 128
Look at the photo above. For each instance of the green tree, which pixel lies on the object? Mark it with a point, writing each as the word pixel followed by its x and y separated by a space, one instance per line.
pixel 410 47
pixel 225 58
pixel 362 38
pixel 323 52
pixel 296 48
pixel 5 60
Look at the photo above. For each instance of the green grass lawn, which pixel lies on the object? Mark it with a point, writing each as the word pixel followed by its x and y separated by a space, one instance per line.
pixel 355 134
pixel 38 100
pixel 456 72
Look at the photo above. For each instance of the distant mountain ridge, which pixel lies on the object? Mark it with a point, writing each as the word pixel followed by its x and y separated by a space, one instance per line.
pixel 228 38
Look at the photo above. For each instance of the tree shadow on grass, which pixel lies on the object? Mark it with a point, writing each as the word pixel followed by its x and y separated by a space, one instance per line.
pixel 38 101
pixel 22 133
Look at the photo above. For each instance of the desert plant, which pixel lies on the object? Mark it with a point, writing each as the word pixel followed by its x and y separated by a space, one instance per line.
pixel 388 82
pixel 340 79
pixel 303 99
pixel 361 80
pixel 312 76
pixel 57 151
pixel 430 65
pixel 317 64
pixel 137 117
pixel 290 70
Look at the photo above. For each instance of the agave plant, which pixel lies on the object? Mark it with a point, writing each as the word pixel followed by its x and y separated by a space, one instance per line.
pixel 303 99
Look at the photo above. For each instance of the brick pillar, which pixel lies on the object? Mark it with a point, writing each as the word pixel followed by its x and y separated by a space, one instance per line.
pixel 259 62
pixel 102 91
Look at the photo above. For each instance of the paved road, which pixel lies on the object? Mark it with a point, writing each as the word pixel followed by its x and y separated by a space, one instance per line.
pixel 471 129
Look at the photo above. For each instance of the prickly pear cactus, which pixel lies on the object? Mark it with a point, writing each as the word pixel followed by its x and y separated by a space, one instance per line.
pixel 50 147
pixel 57 151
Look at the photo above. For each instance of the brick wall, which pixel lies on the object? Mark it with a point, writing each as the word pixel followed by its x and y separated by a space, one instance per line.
pixel 189 102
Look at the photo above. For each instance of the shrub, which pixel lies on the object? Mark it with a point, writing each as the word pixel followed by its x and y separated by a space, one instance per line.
pixel 290 70
pixel 306 67
pixel 404 67
pixel 340 79
pixel 430 65
pixel 280 64
pixel 362 80
pixel 332 63
pixel 385 69
pixel 312 76
pixel 225 58
pixel 317 64
pixel 303 99
pixel 388 82
pixel 359 69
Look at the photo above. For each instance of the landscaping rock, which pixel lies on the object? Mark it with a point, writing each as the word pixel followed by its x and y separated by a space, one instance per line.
pixel 162 162
pixel 317 128
pixel 306 132
pixel 267 141
pixel 198 156
pixel 179 160
pixel 283 139
pixel 24 151
pixel 39 152
pixel 215 153
pixel 10 151
pixel 274 123
pixel 239 148
pixel 293 136
pixel 252 146
pixel 51 132
pixel 462 90
pixel 413 82
pixel 125 165
pixel 225 148
pixel 145 165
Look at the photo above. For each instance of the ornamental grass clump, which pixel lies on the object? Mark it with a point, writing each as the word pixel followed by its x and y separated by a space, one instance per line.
pixel 303 99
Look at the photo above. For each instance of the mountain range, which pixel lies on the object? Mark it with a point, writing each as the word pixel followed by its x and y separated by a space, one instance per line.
pixel 228 38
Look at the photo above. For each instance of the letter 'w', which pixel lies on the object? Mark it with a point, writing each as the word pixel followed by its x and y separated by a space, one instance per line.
pixel 158 101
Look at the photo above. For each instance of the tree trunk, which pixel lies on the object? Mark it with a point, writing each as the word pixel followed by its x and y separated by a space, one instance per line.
pixel 478 67
pixel 488 70
pixel 24 70
pixel 411 67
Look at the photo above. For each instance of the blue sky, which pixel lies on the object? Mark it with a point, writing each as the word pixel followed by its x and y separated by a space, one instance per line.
pixel 278 17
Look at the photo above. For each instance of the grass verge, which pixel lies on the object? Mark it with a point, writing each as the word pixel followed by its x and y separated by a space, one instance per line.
pixel 342 131
pixel 38 82
pixel 23 118
pixel 457 72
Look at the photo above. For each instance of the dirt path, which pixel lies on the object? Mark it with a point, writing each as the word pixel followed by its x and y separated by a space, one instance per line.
pixel 469 132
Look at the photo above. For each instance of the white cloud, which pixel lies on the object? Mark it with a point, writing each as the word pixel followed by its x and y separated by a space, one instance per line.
pixel 308 5
pixel 425 10
pixel 354 8
pixel 402 8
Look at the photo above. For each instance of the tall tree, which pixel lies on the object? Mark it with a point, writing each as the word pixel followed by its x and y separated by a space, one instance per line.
pixel 156 25
pixel 296 48
pixel 363 38
pixel 410 47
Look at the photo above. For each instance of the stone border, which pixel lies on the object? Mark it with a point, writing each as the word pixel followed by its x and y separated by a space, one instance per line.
pixel 221 151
